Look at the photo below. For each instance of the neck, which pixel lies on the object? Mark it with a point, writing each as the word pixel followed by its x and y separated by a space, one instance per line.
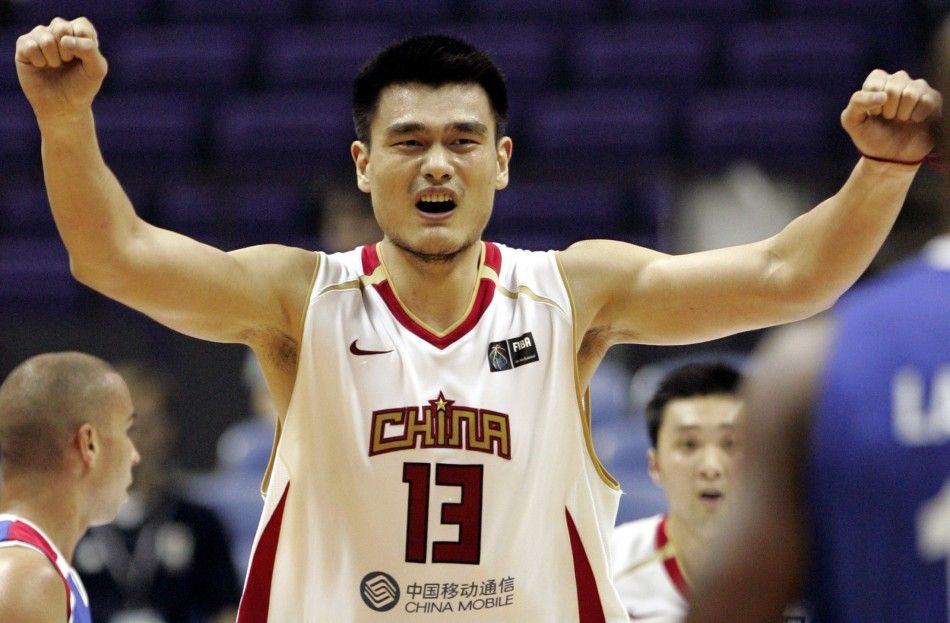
pixel 689 542
pixel 438 292
pixel 48 504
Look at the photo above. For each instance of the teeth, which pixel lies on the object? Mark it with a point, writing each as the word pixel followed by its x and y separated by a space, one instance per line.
pixel 436 198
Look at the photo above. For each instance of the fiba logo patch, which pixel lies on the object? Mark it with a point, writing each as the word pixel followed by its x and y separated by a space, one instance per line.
pixel 508 354
pixel 380 591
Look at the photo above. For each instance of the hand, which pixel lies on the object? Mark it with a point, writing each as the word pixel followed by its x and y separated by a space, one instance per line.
pixel 60 67
pixel 891 115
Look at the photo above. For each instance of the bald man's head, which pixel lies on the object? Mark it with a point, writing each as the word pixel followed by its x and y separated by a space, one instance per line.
pixel 45 399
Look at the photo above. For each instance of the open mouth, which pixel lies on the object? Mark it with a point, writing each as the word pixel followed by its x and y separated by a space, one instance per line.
pixel 436 203
pixel 710 496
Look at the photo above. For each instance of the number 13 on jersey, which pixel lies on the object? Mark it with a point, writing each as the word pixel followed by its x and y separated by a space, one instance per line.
pixel 466 513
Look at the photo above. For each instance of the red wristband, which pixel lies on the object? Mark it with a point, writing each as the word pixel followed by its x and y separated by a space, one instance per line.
pixel 891 161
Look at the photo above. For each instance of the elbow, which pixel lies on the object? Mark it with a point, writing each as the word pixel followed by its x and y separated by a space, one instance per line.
pixel 100 277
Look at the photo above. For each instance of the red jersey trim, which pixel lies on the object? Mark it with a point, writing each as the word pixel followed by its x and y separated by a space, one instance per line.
pixel 255 602
pixel 24 533
pixel 483 297
pixel 670 563
pixel 589 608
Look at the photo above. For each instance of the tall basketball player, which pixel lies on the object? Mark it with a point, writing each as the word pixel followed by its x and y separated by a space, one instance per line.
pixel 434 453
pixel 67 463
pixel 846 493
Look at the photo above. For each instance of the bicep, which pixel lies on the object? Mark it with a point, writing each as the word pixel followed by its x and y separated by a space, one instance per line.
pixel 205 292
pixel 648 297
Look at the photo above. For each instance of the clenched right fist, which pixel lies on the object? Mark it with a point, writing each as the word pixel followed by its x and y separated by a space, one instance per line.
pixel 60 68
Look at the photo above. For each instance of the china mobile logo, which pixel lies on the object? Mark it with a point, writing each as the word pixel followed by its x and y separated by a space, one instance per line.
pixel 380 591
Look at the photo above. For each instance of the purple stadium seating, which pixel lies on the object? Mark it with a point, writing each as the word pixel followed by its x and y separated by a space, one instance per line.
pixel 206 60
pixel 785 128
pixel 35 271
pixel 8 78
pixel 720 11
pixel 148 134
pixel 189 209
pixel 540 216
pixel 19 137
pixel 673 56
pixel 409 13
pixel 106 15
pixel 250 12
pixel 325 57
pixel 586 131
pixel 832 56
pixel 295 133
pixel 264 213
pixel 561 11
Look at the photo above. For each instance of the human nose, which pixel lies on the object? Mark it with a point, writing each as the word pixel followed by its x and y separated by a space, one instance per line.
pixel 437 166
pixel 711 463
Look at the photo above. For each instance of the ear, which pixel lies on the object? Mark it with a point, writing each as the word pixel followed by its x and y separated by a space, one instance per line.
pixel 360 153
pixel 503 155
pixel 653 467
pixel 87 444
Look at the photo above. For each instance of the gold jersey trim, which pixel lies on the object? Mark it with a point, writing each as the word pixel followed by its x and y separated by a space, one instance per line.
pixel 583 394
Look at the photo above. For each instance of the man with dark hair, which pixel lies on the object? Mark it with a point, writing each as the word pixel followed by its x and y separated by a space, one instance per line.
pixel 691 419
pixel 66 465
pixel 433 451
pixel 846 491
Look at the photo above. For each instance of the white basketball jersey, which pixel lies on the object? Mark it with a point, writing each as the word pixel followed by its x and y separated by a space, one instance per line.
pixel 436 476
pixel 646 572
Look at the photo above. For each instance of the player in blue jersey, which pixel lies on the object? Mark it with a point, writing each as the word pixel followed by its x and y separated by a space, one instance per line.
pixel 67 463
pixel 846 494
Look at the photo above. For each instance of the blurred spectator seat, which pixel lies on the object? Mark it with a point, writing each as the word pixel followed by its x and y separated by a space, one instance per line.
pixel 291 133
pixel 203 60
pixel 148 135
pixel 831 56
pixel 35 272
pixel 254 13
pixel 325 57
pixel 891 24
pixel 405 14
pixel 788 129
pixel 548 213
pixel 264 213
pixel 568 12
pixel 601 130
pixel 19 138
pixel 106 15
pixel 718 12
pixel 671 56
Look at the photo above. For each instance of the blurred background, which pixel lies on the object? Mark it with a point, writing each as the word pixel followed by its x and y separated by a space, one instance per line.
pixel 676 124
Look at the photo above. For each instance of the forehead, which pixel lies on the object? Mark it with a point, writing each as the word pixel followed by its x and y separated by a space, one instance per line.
pixel 432 107
pixel 708 412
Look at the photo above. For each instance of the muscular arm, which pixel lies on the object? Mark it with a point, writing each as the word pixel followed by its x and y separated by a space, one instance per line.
pixel 626 293
pixel 247 296
pixel 756 565
pixel 30 589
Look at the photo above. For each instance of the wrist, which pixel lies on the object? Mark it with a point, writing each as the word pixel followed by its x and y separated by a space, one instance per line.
pixel 64 121
pixel 906 163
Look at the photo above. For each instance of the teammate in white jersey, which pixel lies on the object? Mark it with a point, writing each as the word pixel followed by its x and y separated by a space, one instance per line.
pixel 67 464
pixel 431 151
pixel 691 419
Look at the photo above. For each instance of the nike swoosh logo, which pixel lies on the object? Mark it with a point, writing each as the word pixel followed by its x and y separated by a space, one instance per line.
pixel 356 350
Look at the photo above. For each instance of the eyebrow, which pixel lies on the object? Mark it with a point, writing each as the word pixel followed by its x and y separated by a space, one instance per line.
pixel 408 127
pixel 689 427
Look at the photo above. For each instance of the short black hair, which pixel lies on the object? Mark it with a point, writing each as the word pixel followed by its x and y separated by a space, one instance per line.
pixel 686 381
pixel 433 60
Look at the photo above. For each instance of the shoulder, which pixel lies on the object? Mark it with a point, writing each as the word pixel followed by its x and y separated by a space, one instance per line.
pixel 31 589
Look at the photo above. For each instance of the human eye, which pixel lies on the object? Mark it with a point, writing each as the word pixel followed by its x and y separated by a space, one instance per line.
pixel 687 444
